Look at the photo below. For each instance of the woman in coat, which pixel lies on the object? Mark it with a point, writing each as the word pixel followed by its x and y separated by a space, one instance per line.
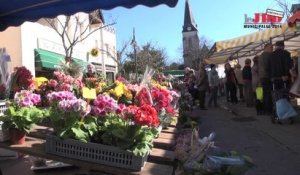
pixel 231 83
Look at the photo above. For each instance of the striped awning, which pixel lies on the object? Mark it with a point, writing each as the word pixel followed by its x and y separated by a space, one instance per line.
pixel 252 44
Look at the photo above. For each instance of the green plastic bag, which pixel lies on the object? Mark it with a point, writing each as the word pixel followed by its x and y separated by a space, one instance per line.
pixel 259 93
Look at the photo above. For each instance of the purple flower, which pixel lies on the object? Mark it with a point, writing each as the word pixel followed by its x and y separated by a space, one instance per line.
pixel 26 98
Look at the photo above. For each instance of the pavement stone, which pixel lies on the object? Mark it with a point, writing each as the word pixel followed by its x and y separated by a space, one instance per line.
pixel 274 148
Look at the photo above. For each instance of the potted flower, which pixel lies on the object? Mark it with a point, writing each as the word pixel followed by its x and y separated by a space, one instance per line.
pixel 110 129
pixel 68 116
pixel 21 115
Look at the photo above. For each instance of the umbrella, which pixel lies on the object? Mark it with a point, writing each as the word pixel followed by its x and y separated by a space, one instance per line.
pixel 15 12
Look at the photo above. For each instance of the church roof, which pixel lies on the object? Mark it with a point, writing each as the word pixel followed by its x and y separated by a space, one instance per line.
pixel 189 21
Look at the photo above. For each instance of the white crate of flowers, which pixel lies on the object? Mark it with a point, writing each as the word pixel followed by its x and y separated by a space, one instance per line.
pixel 106 132
pixel 3 132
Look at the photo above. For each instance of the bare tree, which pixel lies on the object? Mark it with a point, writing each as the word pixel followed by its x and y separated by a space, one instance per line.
pixel 285 7
pixel 121 54
pixel 81 29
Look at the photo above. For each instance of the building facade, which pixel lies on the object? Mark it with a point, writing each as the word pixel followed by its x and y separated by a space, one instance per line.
pixel 38 47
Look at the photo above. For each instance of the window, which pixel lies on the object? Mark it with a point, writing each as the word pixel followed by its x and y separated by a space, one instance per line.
pixel 110 77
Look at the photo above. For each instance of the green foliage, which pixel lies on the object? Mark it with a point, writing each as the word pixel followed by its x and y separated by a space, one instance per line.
pixel 71 125
pixel 149 54
pixel 115 131
pixel 110 130
pixel 22 118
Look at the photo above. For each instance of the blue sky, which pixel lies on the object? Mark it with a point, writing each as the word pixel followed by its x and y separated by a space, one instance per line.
pixel 216 19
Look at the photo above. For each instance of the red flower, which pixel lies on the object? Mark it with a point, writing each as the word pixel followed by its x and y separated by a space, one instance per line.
pixel 170 110
pixel 146 115
pixel 143 98
pixel 2 88
pixel 129 111
pixel 121 79
pixel 23 79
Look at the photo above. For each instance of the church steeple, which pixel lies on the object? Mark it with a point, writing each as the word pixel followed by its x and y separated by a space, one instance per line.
pixel 189 21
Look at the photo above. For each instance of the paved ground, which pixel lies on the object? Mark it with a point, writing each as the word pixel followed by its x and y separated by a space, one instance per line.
pixel 274 148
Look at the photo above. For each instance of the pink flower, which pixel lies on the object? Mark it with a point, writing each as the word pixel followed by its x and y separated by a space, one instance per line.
pixel 26 98
pixel 52 83
pixel 104 104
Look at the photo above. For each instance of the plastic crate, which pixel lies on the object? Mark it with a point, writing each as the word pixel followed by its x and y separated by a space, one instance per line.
pixel 3 133
pixel 3 107
pixel 93 152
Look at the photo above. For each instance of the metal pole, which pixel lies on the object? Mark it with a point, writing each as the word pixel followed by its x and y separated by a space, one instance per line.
pixel 135 56
pixel 135 59
pixel 149 55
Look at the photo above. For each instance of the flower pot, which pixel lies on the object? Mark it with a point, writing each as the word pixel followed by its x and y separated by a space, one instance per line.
pixel 17 137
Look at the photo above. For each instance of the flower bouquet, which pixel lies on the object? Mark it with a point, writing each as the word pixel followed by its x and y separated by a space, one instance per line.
pixel 21 80
pixel 200 156
pixel 60 82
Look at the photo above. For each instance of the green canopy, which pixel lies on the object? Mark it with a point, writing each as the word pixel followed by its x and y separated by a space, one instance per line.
pixel 176 73
pixel 51 60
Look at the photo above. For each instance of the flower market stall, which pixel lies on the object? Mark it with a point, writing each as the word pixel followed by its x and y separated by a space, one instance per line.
pixel 93 121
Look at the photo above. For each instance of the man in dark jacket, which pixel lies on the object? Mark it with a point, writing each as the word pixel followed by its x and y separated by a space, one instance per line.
pixel 247 77
pixel 280 65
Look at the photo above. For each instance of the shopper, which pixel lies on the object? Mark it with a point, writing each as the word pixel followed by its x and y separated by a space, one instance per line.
pixel 191 84
pixel 255 85
pixel 280 65
pixel 202 85
pixel 240 82
pixel 247 77
pixel 231 83
pixel 263 73
pixel 213 79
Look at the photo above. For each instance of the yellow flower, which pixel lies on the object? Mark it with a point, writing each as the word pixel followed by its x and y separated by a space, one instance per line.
pixel 100 87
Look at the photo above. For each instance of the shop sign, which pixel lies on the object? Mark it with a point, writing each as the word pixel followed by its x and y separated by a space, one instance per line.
pixel 58 48
pixel 110 68
pixel 269 19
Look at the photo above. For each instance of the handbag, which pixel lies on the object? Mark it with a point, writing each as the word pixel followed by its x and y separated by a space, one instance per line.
pixel 295 89
pixel 284 109
pixel 259 93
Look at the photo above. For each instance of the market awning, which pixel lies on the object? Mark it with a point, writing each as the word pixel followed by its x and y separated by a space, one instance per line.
pixel 252 44
pixel 14 13
pixel 51 60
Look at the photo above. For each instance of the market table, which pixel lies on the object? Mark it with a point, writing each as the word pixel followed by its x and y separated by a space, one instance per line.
pixel 160 161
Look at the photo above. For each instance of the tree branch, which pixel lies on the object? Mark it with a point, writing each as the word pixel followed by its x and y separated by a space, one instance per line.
pixel 95 31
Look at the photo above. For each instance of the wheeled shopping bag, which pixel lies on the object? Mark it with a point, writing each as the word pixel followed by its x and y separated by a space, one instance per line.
pixel 282 108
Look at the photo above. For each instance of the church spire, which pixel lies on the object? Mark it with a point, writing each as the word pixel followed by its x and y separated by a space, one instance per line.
pixel 189 21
